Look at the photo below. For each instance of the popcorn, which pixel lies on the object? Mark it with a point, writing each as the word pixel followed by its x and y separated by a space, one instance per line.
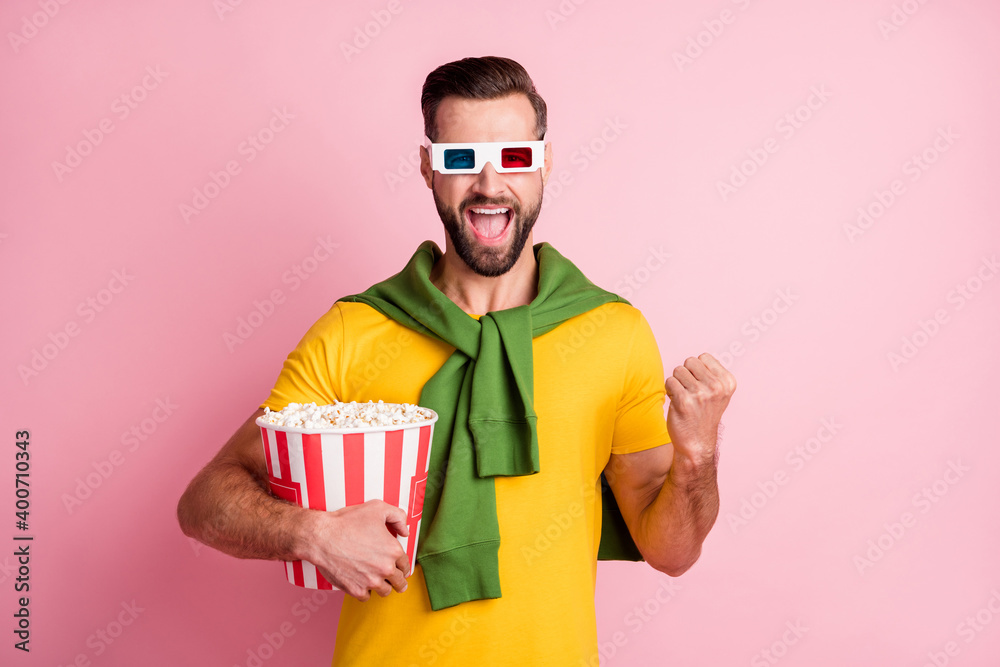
pixel 346 415
pixel 327 457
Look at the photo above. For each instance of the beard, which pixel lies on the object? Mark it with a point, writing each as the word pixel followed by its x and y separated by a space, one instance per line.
pixel 488 261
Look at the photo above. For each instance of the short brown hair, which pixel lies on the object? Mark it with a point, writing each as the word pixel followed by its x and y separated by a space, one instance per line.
pixel 486 78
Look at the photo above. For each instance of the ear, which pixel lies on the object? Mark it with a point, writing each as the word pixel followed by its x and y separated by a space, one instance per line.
pixel 425 167
pixel 547 167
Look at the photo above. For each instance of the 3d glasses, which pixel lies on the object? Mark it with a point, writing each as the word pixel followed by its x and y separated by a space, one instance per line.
pixel 505 156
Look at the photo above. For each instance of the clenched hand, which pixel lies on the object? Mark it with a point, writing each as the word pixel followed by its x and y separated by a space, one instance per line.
pixel 699 392
pixel 356 548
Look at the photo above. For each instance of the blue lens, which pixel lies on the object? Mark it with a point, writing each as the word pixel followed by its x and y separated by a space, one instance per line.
pixel 459 158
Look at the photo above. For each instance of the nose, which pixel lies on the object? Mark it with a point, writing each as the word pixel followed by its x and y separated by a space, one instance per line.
pixel 488 182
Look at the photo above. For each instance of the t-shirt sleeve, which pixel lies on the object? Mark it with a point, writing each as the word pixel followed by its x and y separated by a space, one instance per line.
pixel 310 374
pixel 639 421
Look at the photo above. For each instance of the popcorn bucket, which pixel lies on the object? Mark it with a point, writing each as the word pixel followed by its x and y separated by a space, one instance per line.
pixel 332 468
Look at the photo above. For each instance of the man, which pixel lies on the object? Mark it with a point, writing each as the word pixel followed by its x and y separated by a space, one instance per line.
pixel 543 381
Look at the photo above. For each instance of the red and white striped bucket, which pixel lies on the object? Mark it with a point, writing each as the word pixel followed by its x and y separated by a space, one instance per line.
pixel 329 470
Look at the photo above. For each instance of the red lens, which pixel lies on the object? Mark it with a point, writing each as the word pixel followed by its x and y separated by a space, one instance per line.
pixel 515 158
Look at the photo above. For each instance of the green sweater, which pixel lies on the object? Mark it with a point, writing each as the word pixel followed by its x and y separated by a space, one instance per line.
pixel 483 395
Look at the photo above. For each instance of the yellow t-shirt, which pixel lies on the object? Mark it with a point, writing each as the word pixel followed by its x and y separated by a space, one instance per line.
pixel 598 389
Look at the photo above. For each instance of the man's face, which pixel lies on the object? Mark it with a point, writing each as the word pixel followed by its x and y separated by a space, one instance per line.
pixel 488 216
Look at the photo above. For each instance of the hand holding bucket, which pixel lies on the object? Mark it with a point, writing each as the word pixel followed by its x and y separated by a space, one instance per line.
pixel 332 468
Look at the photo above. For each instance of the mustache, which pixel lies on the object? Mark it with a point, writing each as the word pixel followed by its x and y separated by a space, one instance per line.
pixel 483 201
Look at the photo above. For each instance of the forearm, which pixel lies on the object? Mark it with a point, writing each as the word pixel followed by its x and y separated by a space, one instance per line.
pixel 674 526
pixel 229 508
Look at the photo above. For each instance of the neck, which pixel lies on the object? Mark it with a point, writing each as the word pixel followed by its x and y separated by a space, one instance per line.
pixel 478 295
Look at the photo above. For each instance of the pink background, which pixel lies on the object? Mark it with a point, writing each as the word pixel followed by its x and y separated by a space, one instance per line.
pixel 662 134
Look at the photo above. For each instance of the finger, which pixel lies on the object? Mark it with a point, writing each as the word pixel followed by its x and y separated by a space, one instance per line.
pixel 673 387
pixel 712 363
pixel 685 377
pixel 395 520
pixel 716 367
pixel 383 588
pixel 403 563
pixel 698 369
pixel 397 581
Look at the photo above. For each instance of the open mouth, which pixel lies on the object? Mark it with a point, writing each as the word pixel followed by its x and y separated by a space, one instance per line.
pixel 490 224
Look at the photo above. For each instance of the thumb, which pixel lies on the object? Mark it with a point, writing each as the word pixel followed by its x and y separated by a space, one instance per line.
pixel 395 520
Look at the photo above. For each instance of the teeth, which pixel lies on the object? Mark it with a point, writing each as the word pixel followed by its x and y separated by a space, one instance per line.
pixel 489 211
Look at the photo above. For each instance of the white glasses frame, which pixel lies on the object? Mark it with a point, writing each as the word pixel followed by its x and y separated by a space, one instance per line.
pixel 489 151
